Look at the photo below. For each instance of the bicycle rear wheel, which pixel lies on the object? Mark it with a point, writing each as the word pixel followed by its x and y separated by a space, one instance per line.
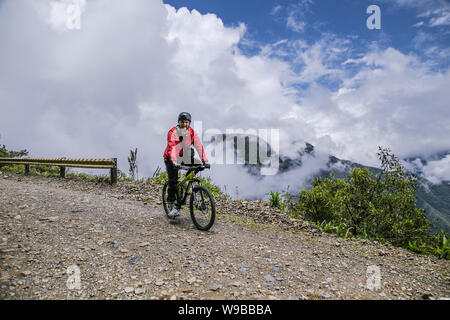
pixel 202 207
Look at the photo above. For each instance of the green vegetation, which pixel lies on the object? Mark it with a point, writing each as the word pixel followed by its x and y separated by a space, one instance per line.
pixel 159 176
pixel 215 190
pixel 278 200
pixel 342 229
pixel 11 154
pixel 380 208
pixel 275 199
pixel 39 169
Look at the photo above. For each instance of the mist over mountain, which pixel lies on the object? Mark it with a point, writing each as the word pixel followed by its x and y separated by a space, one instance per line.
pixel 297 173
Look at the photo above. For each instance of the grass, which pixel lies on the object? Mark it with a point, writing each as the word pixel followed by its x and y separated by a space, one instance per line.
pixel 53 171
pixel 247 222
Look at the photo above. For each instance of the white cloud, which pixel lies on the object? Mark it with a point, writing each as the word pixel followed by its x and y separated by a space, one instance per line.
pixel 275 9
pixel 438 171
pixel 296 17
pixel 437 17
pixel 394 100
pixel 295 24
pixel 119 83
pixel 436 11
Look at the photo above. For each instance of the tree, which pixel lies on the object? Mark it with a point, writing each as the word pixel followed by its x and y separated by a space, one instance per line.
pixel 381 207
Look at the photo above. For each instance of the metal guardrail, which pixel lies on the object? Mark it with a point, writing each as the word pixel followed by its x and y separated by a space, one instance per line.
pixel 62 163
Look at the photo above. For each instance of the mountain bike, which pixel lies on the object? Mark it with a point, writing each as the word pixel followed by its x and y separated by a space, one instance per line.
pixel 201 206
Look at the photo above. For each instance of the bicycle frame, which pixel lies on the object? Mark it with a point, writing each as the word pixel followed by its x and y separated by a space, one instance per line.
pixel 189 178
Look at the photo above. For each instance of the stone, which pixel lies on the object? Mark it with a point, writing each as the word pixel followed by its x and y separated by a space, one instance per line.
pixel 144 244
pixel 269 278
pixel 134 260
pixel 191 280
pixel 215 288
pixel 324 295
pixel 139 291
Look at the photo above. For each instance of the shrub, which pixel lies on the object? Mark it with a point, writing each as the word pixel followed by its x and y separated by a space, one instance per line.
pixel 275 199
pixel 159 176
pixel 381 207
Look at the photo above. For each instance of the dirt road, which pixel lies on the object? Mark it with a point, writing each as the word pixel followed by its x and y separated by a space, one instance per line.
pixel 73 239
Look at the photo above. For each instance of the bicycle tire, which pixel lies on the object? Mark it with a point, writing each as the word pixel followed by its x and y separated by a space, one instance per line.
pixel 195 215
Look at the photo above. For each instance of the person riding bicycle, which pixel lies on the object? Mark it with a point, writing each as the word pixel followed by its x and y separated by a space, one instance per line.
pixel 178 150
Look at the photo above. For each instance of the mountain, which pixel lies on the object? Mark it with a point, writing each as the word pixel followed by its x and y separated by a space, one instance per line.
pixel 434 197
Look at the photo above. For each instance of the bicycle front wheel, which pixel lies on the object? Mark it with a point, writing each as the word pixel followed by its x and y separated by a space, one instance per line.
pixel 164 199
pixel 202 207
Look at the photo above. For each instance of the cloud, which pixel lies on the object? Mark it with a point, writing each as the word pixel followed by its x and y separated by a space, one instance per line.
pixel 119 83
pixel 437 12
pixel 394 100
pixel 296 17
pixel 437 171
pixel 294 24
pixel 78 93
pixel 437 17
pixel 275 9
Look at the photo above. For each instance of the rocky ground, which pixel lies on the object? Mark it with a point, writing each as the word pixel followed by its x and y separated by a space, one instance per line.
pixel 75 239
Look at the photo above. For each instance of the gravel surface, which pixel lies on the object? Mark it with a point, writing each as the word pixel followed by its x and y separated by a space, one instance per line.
pixel 75 239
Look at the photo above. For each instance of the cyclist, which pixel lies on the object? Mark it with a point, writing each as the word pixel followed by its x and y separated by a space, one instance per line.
pixel 179 141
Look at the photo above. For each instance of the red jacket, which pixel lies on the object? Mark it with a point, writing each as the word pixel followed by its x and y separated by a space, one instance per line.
pixel 174 149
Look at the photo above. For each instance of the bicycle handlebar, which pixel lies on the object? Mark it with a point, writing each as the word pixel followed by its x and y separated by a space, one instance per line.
pixel 192 166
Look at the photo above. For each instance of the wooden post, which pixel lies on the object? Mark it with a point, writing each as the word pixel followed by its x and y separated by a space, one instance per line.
pixel 62 172
pixel 27 169
pixel 114 172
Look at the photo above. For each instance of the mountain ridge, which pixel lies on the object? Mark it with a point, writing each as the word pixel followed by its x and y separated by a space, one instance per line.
pixel 434 198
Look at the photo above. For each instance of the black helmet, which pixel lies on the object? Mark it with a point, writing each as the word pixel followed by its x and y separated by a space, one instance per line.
pixel 184 116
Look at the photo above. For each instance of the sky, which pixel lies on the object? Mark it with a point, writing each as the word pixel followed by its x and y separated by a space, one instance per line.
pixel 116 78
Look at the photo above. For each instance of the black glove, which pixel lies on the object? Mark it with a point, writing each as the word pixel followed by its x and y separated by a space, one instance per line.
pixel 206 164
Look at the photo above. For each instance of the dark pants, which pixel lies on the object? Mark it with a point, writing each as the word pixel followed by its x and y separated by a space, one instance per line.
pixel 172 173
